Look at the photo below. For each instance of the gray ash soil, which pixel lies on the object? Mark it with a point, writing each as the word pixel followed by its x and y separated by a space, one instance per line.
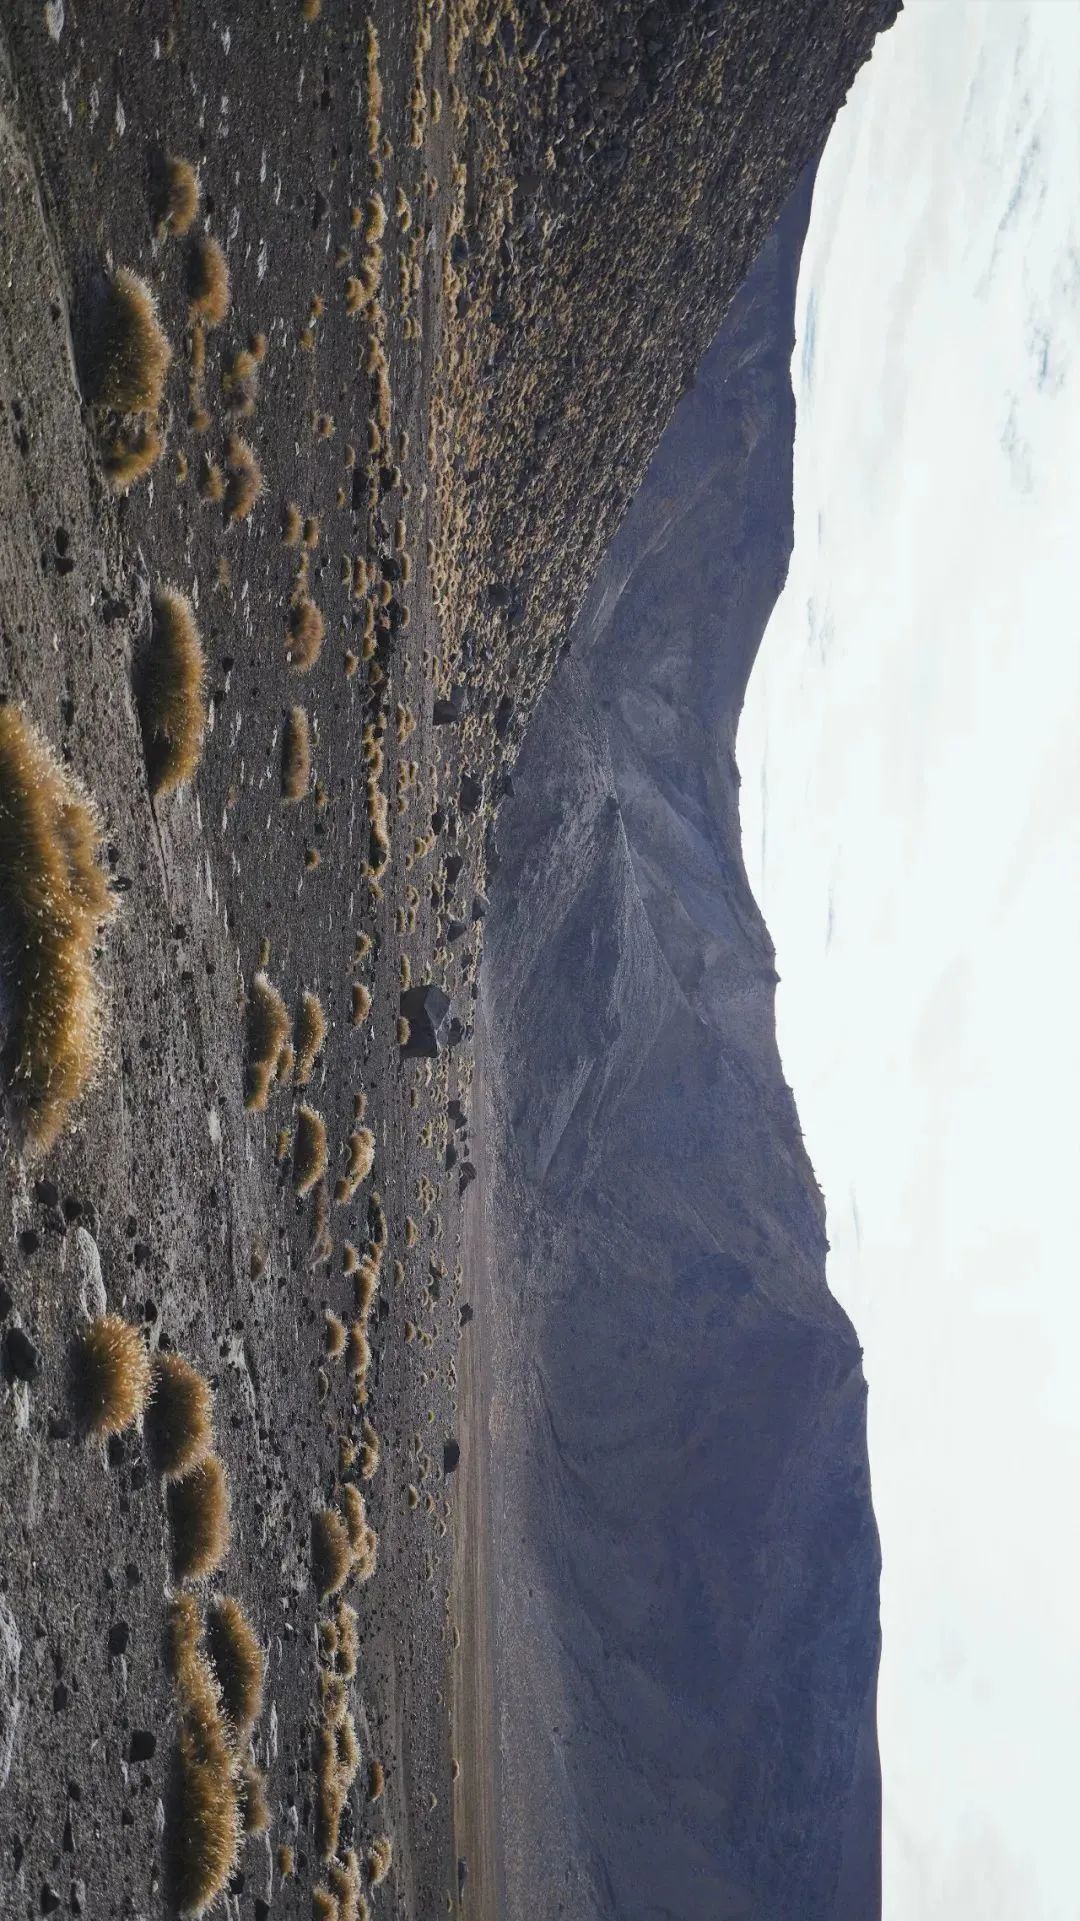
pixel 601 179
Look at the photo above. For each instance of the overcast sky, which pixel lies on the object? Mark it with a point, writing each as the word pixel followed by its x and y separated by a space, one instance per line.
pixel 910 754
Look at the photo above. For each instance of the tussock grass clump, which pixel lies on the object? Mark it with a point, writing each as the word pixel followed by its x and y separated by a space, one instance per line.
pixel 130 455
pixel 337 1761
pixel 324 1906
pixel 295 755
pixel 359 1358
pixel 291 524
pixel 178 200
pixel 245 481
pixel 267 1034
pixel 238 1662
pixel 203 1835
pixel 370 1452
pixel 209 286
pixel 309 1035
pixel 128 354
pixel 376 1781
pixel 309 1153
pixel 305 637
pixel 254 1800
pixel 361 1004
pixel 110 1375
pixel 347 1635
pixel 180 1417
pixel 361 1150
pixel 199 1517
pixel 344 1879
pixel 210 480
pixel 334 1336
pixel 54 897
pixel 172 694
pixel 331 1551
pixel 240 383
pixel 355 1512
pixel 367 1281
pixel 404 1030
pixel 380 1859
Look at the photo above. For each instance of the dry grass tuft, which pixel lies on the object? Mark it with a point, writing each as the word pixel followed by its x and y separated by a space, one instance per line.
pixel 179 200
pixel 305 637
pixel 209 287
pixel 210 480
pixel 130 455
pixel 254 1800
pixel 199 1517
pixel 110 1375
pixel 361 1157
pixel 331 1551
pixel 370 1452
pixel 344 1878
pixel 380 1859
pixel 361 1004
pixel 245 481
pixel 291 524
pixel 172 694
pixel 240 383
pixel 204 1825
pixel 238 1662
pixel 404 1030
pixel 376 1781
pixel 129 353
pixel 267 1035
pixel 180 1417
pixel 54 898
pixel 295 755
pixel 347 1637
pixel 334 1335
pixel 309 1152
pixel 359 1359
pixel 286 1861
pixel 309 1035
pixel 324 1905
pixel 367 1281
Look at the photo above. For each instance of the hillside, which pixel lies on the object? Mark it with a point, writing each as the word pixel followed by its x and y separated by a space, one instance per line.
pixel 687 1620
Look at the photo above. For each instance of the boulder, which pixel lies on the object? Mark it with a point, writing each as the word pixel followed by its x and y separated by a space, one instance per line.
pixel 427 1010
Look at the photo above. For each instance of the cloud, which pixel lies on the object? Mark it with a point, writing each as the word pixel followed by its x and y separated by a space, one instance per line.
pixel 912 827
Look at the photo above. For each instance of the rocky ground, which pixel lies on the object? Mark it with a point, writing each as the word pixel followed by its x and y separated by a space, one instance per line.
pixel 572 194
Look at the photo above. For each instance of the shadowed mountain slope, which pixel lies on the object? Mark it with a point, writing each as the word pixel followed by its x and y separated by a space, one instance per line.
pixel 688 1619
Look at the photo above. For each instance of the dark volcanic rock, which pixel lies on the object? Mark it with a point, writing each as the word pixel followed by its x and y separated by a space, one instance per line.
pixel 427 1010
pixel 689 1560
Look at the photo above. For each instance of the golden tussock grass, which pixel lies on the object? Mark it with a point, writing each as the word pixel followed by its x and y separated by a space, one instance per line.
pixel 309 1152
pixel 199 1517
pixel 172 693
pixel 110 1375
pixel 130 456
pixel 210 480
pixel 334 1335
pixel 366 1285
pixel 240 383
pixel 238 1662
pixel 324 1905
pixel 355 1513
pixel 347 1638
pixel 180 1417
pixel 311 531
pixel 362 947
pixel 208 284
pixel 291 524
pixel 268 1029
pixel 323 426
pixel 380 1859
pixel 179 196
pixel 370 1452
pixel 361 1151
pixel 295 755
pixel 359 1359
pixel 376 1781
pixel 203 1824
pixel 350 1259
pixel 351 663
pixel 337 1760
pixel 331 1551
pixel 309 1035
pixel 344 1879
pixel 128 354
pixel 286 1861
pixel 254 1799
pixel 244 484
pixel 257 346
pixel 282 1144
pixel 404 1030
pixel 54 898
pixel 412 1495
pixel 312 859
pixel 361 1004
pixel 306 634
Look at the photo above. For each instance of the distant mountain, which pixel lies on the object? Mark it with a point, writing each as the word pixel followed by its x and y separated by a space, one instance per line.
pixel 688 1561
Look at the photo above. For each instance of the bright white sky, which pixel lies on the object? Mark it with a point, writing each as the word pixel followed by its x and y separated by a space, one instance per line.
pixel 911 811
